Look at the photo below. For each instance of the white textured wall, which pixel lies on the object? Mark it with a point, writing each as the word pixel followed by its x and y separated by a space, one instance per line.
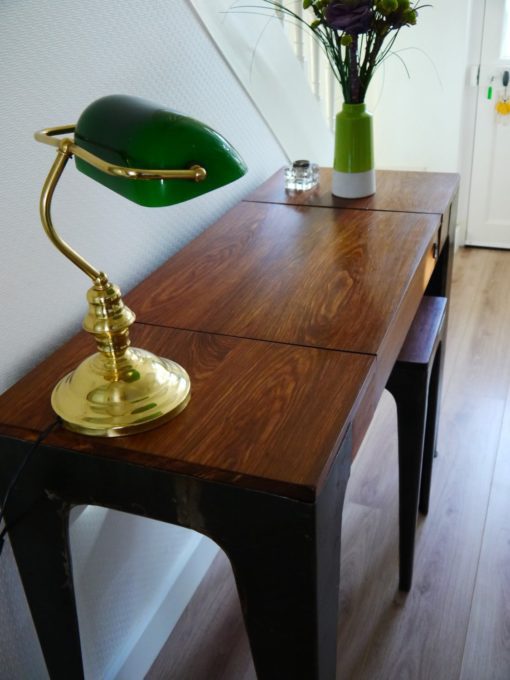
pixel 418 119
pixel 426 121
pixel 56 57
pixel 257 49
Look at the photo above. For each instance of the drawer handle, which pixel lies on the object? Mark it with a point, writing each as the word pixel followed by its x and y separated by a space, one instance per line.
pixel 435 251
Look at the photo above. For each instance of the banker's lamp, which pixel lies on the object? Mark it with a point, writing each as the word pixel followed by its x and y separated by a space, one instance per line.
pixel 154 157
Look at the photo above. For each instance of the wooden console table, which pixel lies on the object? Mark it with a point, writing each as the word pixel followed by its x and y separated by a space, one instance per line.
pixel 289 318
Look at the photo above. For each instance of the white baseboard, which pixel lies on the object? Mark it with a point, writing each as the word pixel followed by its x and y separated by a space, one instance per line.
pixel 149 644
pixel 459 237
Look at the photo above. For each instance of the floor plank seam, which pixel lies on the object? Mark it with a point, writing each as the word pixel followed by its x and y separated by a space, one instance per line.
pixel 482 537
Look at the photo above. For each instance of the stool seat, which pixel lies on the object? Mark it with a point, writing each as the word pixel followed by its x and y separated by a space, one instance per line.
pixel 414 383
pixel 425 333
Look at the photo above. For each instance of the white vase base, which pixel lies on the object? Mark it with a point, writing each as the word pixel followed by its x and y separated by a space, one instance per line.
pixel 353 184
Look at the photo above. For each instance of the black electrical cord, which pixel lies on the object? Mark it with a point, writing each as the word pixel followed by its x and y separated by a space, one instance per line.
pixel 14 479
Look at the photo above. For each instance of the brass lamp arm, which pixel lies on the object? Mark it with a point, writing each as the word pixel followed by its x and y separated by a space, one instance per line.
pixel 63 155
pixel 66 150
pixel 47 135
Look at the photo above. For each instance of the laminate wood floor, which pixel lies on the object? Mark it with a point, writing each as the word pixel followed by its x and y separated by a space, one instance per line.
pixel 455 622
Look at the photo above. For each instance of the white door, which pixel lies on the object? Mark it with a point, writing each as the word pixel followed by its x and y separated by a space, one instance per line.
pixel 489 205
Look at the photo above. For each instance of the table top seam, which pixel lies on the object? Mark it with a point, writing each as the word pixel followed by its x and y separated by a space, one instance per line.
pixel 141 322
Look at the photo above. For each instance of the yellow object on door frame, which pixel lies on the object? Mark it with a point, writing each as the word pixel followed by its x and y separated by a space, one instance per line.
pixel 503 107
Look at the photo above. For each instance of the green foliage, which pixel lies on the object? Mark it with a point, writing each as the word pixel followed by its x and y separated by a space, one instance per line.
pixel 356 35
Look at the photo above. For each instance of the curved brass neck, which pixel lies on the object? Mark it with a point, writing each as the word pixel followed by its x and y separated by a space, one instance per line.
pixel 63 155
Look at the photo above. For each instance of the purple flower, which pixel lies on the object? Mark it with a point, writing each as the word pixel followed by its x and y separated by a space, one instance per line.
pixel 350 16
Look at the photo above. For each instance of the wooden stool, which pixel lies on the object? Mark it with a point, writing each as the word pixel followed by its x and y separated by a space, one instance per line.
pixel 414 384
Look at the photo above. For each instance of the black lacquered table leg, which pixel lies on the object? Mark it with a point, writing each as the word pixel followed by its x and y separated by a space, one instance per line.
pixel 285 554
pixel 287 569
pixel 431 429
pixel 39 540
pixel 411 395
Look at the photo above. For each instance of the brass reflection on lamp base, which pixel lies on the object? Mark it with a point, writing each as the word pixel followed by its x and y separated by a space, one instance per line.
pixel 120 390
pixel 145 392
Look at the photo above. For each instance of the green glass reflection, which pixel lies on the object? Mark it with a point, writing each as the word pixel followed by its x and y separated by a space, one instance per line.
pixel 135 133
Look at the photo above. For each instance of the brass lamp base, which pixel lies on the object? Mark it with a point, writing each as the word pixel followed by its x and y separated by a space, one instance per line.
pixel 115 396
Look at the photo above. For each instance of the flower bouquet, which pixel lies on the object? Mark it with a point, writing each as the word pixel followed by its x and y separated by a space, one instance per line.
pixel 356 36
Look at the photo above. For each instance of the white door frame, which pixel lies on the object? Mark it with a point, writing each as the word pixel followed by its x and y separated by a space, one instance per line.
pixel 473 58
pixel 479 77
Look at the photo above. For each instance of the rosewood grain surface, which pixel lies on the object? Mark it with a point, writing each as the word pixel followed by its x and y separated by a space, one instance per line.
pixel 262 415
pixel 335 279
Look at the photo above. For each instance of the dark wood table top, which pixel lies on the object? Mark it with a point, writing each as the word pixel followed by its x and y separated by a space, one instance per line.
pixel 410 192
pixel 262 415
pixel 289 320
pixel 344 280
pixel 302 276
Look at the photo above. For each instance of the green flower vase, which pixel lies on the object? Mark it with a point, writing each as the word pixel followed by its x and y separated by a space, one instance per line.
pixel 353 172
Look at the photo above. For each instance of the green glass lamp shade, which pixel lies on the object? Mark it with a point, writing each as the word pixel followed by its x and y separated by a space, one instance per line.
pixel 131 132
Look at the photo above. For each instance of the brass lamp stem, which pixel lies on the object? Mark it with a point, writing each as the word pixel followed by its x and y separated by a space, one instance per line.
pixel 108 319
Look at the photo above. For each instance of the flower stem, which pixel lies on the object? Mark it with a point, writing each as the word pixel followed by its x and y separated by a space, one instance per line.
pixel 370 63
pixel 353 71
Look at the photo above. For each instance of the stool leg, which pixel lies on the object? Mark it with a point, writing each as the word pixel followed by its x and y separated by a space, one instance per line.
pixel 429 449
pixel 409 389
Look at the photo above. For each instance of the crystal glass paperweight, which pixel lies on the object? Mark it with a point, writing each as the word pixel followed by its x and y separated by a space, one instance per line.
pixel 301 176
